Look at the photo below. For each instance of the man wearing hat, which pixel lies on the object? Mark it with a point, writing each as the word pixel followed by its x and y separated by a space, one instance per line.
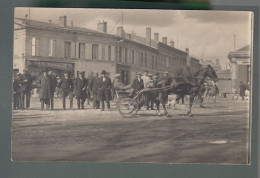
pixel 25 83
pixel 66 85
pixel 16 91
pixel 80 86
pixel 44 83
pixel 94 87
pixel 53 82
pixel 145 78
pixel 138 83
pixel 105 86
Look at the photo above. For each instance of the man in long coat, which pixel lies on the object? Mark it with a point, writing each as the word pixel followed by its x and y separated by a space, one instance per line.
pixel 66 85
pixel 138 83
pixel 80 86
pixel 105 86
pixel 25 83
pixel 16 91
pixel 53 80
pixel 94 87
pixel 44 84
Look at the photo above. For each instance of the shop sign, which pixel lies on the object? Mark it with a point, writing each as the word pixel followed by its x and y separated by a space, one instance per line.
pixel 50 65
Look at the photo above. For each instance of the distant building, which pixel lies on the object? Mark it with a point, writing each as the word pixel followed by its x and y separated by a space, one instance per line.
pixel 224 81
pixel 240 66
pixel 39 46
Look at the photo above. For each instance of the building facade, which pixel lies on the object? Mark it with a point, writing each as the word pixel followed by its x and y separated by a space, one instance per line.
pixel 240 66
pixel 39 46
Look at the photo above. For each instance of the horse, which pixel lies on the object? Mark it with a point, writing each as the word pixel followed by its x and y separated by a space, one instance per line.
pixel 185 85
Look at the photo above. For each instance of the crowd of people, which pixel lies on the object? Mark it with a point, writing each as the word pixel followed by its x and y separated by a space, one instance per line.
pixel 98 89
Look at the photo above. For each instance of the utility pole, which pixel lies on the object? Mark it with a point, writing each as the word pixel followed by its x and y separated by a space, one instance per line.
pixel 234 42
pixel 122 18
pixel 29 15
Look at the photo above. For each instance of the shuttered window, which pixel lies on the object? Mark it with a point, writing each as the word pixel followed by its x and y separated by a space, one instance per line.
pixel 35 46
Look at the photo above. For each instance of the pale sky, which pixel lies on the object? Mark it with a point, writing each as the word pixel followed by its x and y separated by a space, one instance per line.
pixel 208 34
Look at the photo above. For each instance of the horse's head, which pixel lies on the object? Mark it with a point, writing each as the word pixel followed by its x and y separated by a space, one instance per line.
pixel 210 72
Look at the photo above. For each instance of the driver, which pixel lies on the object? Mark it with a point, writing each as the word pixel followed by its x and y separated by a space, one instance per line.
pixel 120 86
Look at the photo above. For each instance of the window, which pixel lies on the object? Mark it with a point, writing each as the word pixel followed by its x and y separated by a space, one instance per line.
pixel 142 59
pixel 155 62
pixel 152 62
pixel 52 46
pixel 125 55
pixel 103 52
pixel 81 51
pixel 120 54
pixel 109 53
pixel 35 46
pixel 67 49
pixel 95 51
pixel 145 60
pixel 133 56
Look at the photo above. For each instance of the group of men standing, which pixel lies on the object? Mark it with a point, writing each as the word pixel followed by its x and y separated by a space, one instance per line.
pixel 100 88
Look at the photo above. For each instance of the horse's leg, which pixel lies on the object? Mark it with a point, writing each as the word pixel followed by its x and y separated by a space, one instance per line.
pixel 164 100
pixel 157 102
pixel 190 104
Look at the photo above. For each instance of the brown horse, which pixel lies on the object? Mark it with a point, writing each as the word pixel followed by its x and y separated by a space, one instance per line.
pixel 186 85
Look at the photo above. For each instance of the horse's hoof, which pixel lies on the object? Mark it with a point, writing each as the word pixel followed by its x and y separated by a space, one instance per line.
pixel 159 114
pixel 190 115
pixel 167 115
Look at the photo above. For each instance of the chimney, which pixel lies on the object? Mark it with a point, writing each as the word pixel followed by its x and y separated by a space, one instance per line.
pixel 217 61
pixel 156 37
pixel 102 26
pixel 120 32
pixel 148 36
pixel 187 50
pixel 63 21
pixel 172 43
pixel 164 40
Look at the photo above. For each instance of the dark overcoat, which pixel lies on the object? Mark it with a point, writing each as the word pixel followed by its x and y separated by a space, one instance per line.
pixel 137 85
pixel 44 83
pixel 54 82
pixel 25 82
pixel 104 92
pixel 80 86
pixel 242 89
pixel 66 85
pixel 94 85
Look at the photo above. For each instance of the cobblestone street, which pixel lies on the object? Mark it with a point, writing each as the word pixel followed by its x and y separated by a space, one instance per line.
pixel 217 133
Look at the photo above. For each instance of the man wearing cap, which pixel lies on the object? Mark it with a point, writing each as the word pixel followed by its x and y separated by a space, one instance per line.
pixel 44 83
pixel 66 85
pixel 105 86
pixel 25 83
pixel 80 86
pixel 138 83
pixel 94 87
pixel 53 82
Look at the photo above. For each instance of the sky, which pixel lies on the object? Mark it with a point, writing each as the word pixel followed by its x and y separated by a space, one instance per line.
pixel 207 34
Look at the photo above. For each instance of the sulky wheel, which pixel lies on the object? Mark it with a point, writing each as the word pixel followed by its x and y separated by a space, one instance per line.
pixel 127 107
